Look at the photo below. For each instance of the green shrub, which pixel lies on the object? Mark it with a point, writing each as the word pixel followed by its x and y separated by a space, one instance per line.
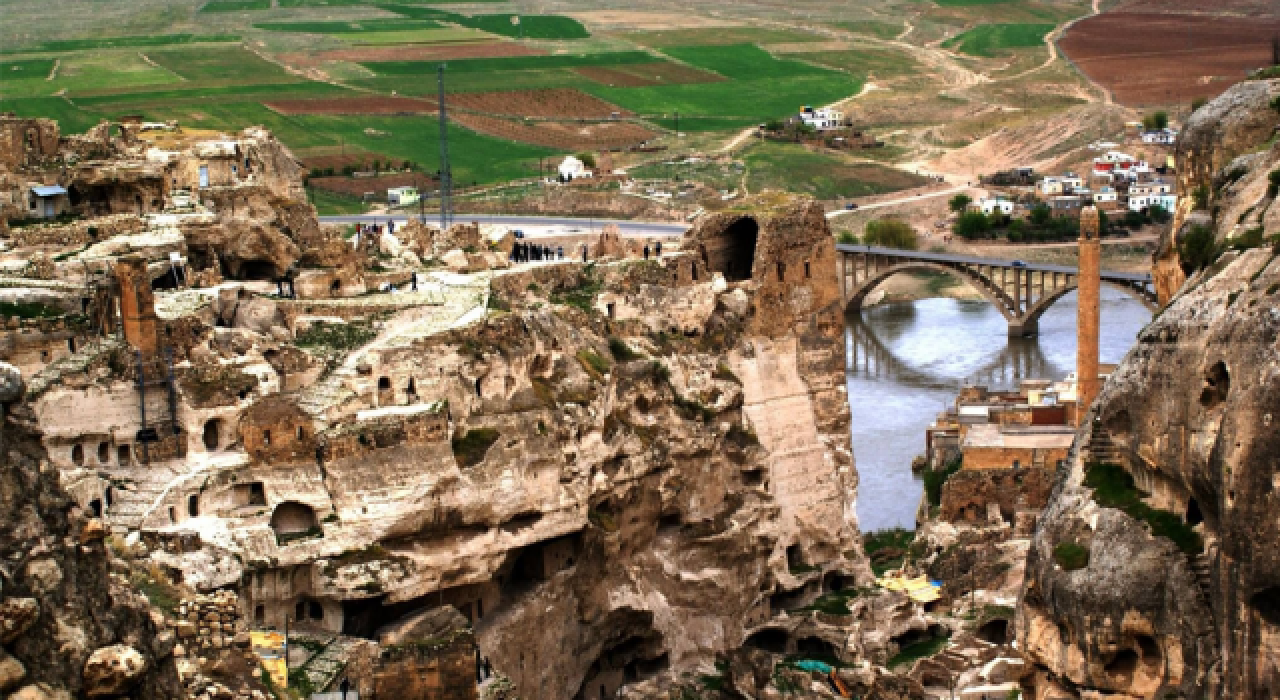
pixel 847 238
pixel 919 650
pixel 960 202
pixel 891 233
pixel 620 350
pixel 1071 556
pixel 934 479
pixel 1200 196
pixel 470 447
pixel 1198 249
pixel 582 296
pixel 692 409
pixel 971 225
pixel 723 373
pixel 660 372
pixel 27 309
pixel 1199 102
pixel 1113 487
pixel 335 336
pixel 595 365
pixel 1273 184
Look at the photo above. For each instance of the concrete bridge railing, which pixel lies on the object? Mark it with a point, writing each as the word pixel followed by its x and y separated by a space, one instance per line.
pixel 1022 292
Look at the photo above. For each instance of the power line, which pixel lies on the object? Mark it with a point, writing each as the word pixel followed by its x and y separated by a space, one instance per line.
pixel 446 177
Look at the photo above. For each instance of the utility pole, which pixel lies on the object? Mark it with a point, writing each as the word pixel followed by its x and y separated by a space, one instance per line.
pixel 446 178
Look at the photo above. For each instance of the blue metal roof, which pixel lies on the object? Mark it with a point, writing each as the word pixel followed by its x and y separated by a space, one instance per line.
pixel 49 190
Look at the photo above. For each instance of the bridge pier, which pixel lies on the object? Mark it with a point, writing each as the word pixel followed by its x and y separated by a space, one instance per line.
pixel 1024 328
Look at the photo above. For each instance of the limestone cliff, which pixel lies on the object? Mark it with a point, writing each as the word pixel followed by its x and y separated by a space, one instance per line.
pixel 70 624
pixel 1176 594
pixel 1224 158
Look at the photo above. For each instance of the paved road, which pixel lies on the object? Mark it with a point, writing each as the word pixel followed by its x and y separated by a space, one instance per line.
pixel 567 224
pixel 993 262
pixel 901 200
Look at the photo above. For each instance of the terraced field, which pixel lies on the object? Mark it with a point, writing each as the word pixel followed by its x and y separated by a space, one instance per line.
pixel 990 40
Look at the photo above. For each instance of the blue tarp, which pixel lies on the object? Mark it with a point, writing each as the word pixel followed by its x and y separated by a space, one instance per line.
pixel 812 665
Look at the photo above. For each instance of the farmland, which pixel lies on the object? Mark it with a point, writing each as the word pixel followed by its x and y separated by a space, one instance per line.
pixel 795 168
pixel 991 40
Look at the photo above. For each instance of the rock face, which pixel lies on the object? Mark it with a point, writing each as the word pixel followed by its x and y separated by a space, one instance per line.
pixel 1190 416
pixel 67 625
pixel 1218 156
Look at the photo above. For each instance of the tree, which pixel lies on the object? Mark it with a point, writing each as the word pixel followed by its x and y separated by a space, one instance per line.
pixel 1161 120
pixel 1041 214
pixel 847 238
pixel 1198 249
pixel 972 224
pixel 1159 214
pixel 588 159
pixel 891 233
pixel 960 202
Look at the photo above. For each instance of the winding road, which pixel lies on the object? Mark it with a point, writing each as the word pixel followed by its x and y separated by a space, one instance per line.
pixel 564 223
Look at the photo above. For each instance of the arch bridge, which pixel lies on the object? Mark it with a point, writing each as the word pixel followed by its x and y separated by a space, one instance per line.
pixel 1021 291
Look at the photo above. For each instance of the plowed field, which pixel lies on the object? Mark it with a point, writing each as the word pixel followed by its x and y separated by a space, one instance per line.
pixel 1163 59
pixel 358 186
pixel 559 135
pixel 372 104
pixel 550 102
pixel 647 75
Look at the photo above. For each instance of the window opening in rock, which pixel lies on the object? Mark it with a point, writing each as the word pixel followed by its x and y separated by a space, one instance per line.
pixel 795 556
pixel 210 437
pixel 335 286
pixel 612 310
pixel 261 270
pixel 123 456
pixel 266 438
pixel 108 495
pixel 315 610
pixel 71 344
pixel 300 611
pixel 411 389
pixel 693 270
pixel 478 392
pixel 77 455
pixel 807 274
pixel 259 615
pixel 193 505
pixel 104 453
pixel 782 272
pixel 95 508
pixel 1217 382
pixel 173 515
pixel 384 383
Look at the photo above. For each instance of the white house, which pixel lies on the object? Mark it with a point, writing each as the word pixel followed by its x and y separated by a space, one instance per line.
pixel 1161 136
pixel 996 205
pixel 822 119
pixel 1166 201
pixel 400 196
pixel 1061 184
pixel 1106 194
pixel 572 168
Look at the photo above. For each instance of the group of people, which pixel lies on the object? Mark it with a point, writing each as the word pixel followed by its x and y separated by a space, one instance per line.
pixel 535 252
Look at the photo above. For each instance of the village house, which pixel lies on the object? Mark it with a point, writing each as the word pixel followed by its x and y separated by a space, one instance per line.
pixel 572 168
pixel 1061 184
pixel 401 196
pixel 1164 137
pixel 822 119
pixel 996 205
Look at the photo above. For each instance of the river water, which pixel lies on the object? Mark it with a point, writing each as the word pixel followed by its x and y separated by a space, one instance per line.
pixel 906 361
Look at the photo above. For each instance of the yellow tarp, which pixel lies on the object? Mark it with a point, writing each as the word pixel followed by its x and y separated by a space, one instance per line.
pixel 269 647
pixel 917 589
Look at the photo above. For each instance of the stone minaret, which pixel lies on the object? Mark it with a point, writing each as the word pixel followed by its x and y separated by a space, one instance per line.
pixel 1088 315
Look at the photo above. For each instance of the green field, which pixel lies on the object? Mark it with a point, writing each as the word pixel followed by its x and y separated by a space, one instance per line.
pixel 971 3
pixel 235 5
pixel 513 63
pixel 795 168
pixel 221 66
pixel 990 40
pixel 719 36
pixel 71 119
pixel 354 26
pixel 125 42
pixel 884 63
pixel 871 27
pixel 333 204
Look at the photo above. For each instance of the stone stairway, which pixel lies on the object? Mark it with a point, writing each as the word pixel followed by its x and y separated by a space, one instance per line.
pixel 326 666
pixel 1104 451
pixel 135 494
pixel 1201 568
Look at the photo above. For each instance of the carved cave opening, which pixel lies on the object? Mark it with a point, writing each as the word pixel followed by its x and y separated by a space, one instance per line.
pixel 1193 515
pixel 293 518
pixel 637 655
pixel 994 631
pixel 1267 604
pixel 736 250
pixel 769 639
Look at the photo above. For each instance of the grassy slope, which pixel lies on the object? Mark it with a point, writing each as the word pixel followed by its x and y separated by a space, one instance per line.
pixel 797 169
pixel 990 40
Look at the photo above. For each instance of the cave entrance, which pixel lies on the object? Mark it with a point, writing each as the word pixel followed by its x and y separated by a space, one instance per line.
pixel 819 649
pixel 211 437
pixel 536 563
pixel 769 639
pixel 1217 382
pixel 636 657
pixel 733 251
pixel 261 270
pixel 291 520
pixel 1267 604
pixel 1123 665
pixel 1193 516
pixel 994 631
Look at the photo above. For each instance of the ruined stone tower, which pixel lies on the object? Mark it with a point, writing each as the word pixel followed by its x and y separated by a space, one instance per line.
pixel 137 305
pixel 1088 314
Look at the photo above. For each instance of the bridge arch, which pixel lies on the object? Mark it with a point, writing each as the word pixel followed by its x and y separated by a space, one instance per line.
pixel 1036 310
pixel 996 296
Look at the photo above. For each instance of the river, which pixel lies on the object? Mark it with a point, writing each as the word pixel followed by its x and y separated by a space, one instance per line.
pixel 906 361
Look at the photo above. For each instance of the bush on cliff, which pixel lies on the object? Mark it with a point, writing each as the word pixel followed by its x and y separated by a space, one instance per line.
pixel 1071 556
pixel 470 447
pixel 1113 487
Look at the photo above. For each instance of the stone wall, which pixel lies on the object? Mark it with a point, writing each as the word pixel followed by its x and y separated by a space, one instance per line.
pixel 209 623
pixel 967 494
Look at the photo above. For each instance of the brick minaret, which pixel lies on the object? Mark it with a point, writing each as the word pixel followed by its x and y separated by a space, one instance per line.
pixel 137 305
pixel 1088 315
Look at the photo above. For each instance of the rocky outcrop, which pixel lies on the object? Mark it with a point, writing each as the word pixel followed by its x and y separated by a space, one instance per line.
pixel 1224 169
pixel 1190 414
pixel 69 623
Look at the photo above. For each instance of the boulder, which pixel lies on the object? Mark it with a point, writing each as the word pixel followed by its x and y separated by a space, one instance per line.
pixel 113 670
pixel 16 616
pixel 456 260
pixel 11 671
pixel 11 385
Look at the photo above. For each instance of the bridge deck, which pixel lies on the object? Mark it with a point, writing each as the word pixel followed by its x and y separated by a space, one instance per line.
pixel 1130 277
